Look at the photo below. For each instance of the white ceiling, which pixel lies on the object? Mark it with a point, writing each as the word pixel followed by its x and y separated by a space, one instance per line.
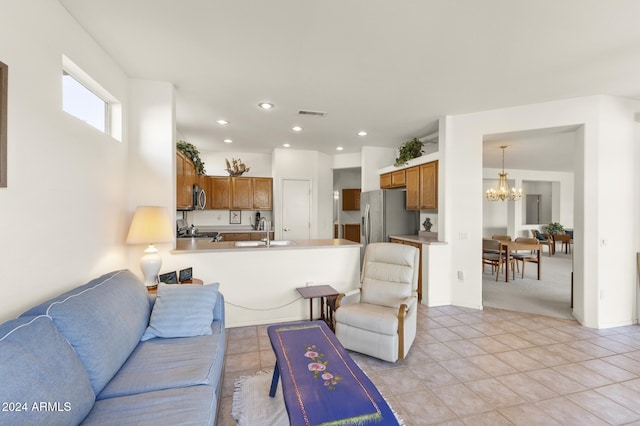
pixel 391 68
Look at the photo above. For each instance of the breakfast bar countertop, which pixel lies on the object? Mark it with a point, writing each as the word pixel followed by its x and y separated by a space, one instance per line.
pixel 199 245
pixel 421 239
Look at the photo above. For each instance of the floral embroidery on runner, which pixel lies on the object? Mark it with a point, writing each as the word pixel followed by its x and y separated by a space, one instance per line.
pixel 319 367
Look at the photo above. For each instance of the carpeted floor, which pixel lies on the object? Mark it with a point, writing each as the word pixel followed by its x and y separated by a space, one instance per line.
pixel 551 296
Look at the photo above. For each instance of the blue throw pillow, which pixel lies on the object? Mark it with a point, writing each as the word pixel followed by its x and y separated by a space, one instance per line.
pixel 182 310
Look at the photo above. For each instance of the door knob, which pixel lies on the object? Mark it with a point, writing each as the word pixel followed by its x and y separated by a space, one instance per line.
pixel 286 229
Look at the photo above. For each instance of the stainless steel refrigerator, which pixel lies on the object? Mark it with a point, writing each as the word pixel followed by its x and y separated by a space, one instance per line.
pixel 384 213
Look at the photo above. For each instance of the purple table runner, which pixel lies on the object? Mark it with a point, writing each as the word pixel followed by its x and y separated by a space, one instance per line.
pixel 321 384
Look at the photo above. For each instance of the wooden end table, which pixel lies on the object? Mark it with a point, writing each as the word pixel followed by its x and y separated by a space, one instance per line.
pixel 154 290
pixel 323 292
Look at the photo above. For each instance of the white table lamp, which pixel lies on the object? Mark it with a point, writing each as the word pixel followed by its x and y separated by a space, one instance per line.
pixel 150 224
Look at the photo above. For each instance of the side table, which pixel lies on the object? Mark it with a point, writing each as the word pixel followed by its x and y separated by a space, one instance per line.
pixel 154 290
pixel 323 292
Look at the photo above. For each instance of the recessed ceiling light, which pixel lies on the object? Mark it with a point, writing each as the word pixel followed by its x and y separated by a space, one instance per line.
pixel 222 122
pixel 266 105
pixel 362 133
pixel 339 148
pixel 286 145
pixel 296 128
pixel 228 141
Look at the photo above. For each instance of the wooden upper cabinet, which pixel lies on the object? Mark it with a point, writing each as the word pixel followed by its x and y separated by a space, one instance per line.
pixel 385 181
pixel 413 188
pixel 395 179
pixel 429 186
pixel 185 178
pixel 351 199
pixel 219 195
pixel 262 193
pixel 242 193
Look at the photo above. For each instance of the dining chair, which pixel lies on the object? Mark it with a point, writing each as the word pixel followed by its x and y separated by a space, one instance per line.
pixel 490 254
pixel 501 237
pixel 528 255
pixel 495 255
pixel 544 240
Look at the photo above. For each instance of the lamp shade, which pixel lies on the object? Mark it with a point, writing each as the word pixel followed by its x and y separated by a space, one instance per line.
pixel 150 224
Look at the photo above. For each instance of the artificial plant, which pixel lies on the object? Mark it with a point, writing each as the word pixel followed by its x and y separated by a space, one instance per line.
pixel 408 150
pixel 192 153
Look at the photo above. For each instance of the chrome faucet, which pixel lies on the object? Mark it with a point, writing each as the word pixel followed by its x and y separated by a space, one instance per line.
pixel 267 229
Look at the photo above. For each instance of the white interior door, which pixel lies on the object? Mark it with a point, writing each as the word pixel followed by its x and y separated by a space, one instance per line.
pixel 296 209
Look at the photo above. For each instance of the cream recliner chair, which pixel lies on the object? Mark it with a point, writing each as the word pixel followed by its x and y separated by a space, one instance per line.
pixel 380 318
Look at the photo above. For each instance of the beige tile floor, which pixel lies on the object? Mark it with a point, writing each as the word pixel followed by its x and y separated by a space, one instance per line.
pixel 490 367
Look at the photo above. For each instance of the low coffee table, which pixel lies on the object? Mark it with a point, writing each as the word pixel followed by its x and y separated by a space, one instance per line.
pixel 321 384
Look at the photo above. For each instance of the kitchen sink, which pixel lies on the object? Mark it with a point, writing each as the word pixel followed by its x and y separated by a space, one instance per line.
pixel 263 244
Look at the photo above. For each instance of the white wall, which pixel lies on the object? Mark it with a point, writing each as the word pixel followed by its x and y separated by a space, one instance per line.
pixel 373 159
pixel 63 216
pixel 152 165
pixel 316 167
pixel 604 273
pixel 214 162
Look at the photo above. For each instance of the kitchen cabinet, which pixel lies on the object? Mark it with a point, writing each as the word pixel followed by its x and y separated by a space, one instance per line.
pixel 262 193
pixel 422 186
pixel 429 186
pixel 394 179
pixel 245 236
pixel 351 232
pixel 219 193
pixel 242 193
pixel 185 179
pixel 351 199
pixel 413 188
pixel 252 193
pixel 419 247
pixel 257 236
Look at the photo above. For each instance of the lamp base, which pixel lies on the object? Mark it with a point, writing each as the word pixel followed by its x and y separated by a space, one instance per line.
pixel 150 264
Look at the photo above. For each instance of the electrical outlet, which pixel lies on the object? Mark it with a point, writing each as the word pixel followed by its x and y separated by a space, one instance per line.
pixel 309 283
pixel 460 275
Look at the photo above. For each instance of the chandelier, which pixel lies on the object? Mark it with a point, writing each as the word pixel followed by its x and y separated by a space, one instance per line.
pixel 503 192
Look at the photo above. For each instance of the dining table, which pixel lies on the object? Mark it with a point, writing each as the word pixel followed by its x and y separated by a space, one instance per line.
pixel 510 246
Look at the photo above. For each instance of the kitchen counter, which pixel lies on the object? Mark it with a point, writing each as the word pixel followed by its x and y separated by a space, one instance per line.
pixel 259 283
pixel 420 239
pixel 191 245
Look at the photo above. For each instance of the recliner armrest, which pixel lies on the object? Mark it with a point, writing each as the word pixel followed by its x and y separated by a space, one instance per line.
pixel 409 302
pixel 349 298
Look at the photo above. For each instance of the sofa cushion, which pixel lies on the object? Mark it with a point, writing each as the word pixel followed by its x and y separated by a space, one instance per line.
pixel 37 365
pixel 103 320
pixel 183 310
pixel 158 364
pixel 194 405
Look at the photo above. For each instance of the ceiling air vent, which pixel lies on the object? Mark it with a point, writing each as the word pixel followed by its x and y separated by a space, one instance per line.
pixel 312 113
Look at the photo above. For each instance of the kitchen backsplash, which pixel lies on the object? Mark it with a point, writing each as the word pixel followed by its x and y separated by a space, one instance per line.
pixel 222 217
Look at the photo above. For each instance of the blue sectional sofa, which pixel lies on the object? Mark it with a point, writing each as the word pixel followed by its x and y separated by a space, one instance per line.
pixel 79 359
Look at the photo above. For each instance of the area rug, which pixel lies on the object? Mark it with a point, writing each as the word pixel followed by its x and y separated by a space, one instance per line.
pixel 252 405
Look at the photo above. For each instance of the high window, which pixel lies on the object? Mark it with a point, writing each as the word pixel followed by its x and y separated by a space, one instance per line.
pixel 86 100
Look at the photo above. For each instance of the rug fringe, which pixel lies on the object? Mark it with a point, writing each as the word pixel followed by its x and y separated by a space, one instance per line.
pixel 238 403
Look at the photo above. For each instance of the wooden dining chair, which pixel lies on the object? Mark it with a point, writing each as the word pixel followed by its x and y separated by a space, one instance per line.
pixel 501 237
pixel 544 240
pixel 490 254
pixel 528 255
pixel 494 254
